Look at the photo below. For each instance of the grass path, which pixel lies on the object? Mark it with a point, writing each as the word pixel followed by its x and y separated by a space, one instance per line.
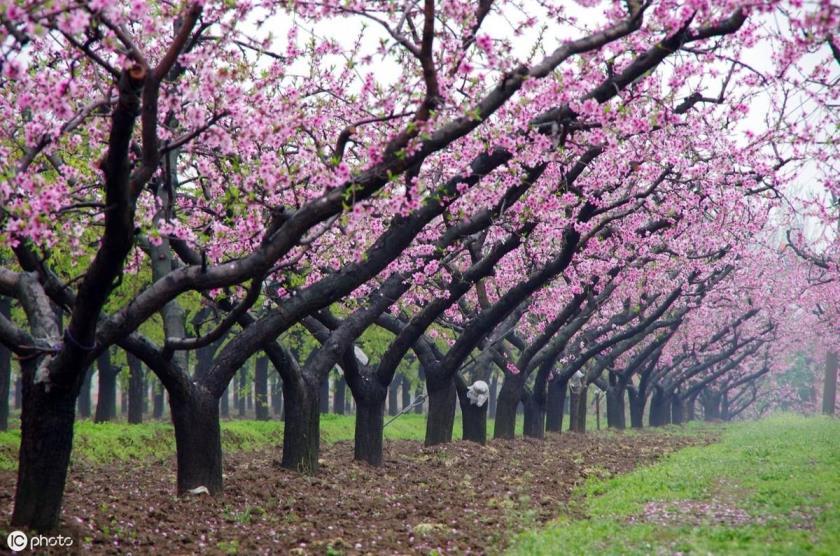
pixel 768 487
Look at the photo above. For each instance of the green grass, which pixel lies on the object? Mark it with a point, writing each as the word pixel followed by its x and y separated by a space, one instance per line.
pixel 109 442
pixel 118 441
pixel 779 477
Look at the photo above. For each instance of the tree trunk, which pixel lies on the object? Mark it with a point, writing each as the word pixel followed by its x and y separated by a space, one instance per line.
pixel 418 393
pixel 136 390
pixel 18 393
pixel 5 368
pixel 637 409
pixel 198 441
pixel 406 392
pixel 660 408
pixel 339 395
pixel 123 399
pixel 691 408
pixel 829 400
pixel 441 417
pixel 534 418
pixel 615 404
pixel 301 438
pixel 324 395
pixel 677 410
pixel 249 394
pixel 577 409
pixel 83 403
pixel 261 389
pixel 506 406
pixel 224 403
pixel 157 410
pixel 473 418
pixel 161 260
pixel 724 406
pixel 711 407
pixel 555 403
pixel 276 396
pixel 369 431
pixel 45 445
pixel 106 401
pixel 241 402
pixel 393 397
pixel 494 397
pixel 655 410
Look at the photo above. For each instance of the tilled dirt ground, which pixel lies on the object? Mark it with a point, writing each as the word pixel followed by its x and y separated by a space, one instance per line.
pixel 460 498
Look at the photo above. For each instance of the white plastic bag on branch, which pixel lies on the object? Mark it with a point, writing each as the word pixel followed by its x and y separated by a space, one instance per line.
pixel 576 382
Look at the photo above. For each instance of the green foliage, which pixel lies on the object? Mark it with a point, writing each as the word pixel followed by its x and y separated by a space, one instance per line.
pixel 773 481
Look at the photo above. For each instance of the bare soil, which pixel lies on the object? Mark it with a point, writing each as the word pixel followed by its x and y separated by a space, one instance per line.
pixel 460 498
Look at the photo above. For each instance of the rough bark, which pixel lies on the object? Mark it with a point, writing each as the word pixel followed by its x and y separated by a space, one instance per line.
pixel 677 410
pixel 691 408
pixel 637 408
pixel 46 442
pixel 249 395
pixel 123 399
pixel 224 403
pixel 261 389
pixel 724 406
pixel 369 431
pixel 616 404
pixel 660 407
pixel 473 418
pixel 157 401
pixel 106 400
pixel 18 393
pixel 507 404
pixel 83 403
pixel 829 400
pixel 555 405
pixel 577 409
pixel 276 396
pixel 441 417
pixel 534 425
pixel 393 397
pixel 339 395
pixel 241 402
pixel 324 396
pixel 711 406
pixel 420 391
pixel 405 389
pixel 136 390
pixel 419 408
pixel 301 437
pixel 198 441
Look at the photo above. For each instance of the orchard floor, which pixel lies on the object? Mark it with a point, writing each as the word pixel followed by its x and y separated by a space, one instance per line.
pixel 460 498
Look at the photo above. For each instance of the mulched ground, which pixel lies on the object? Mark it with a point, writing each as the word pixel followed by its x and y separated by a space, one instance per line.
pixel 460 498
